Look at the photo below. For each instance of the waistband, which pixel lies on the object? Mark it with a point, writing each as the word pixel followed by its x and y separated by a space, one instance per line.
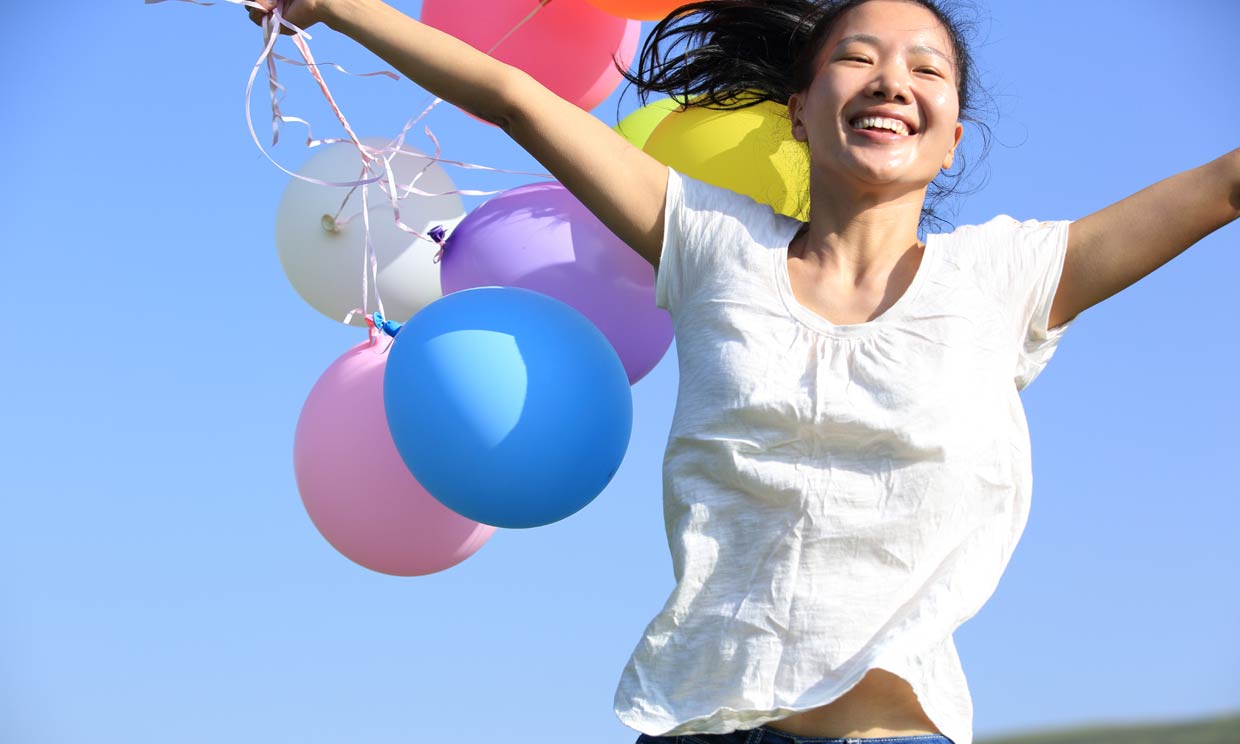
pixel 765 735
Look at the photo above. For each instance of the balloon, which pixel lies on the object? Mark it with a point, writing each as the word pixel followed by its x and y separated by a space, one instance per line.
pixel 507 405
pixel 637 126
pixel 645 10
pixel 325 267
pixel 750 151
pixel 566 46
pixel 540 237
pixel 356 488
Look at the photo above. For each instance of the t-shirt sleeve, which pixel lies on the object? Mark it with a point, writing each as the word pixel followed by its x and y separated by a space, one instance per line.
pixel 700 222
pixel 1026 259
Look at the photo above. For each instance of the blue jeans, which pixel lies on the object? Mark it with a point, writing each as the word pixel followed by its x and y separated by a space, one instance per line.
pixel 764 735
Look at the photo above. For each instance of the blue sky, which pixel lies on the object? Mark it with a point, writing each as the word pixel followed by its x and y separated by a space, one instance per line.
pixel 161 581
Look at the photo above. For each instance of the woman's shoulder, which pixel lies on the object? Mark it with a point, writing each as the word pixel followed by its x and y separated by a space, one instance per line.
pixel 998 222
pixel 704 203
pixel 1002 228
pixel 702 195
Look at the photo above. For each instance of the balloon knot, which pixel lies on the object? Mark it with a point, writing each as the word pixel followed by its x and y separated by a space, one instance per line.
pixel 329 223
pixel 439 235
pixel 390 327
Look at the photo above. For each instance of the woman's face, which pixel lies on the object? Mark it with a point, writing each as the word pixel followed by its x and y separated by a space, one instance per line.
pixel 882 111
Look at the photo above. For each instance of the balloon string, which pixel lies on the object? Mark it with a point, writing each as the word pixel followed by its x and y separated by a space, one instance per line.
pixel 377 328
pixel 400 138
pixel 310 141
pixel 291 61
pixel 541 4
pixel 371 331
pixel 369 255
pixel 528 17
pixel 336 221
pixel 304 48
pixel 370 261
pixel 396 145
pixel 437 234
pixel 273 21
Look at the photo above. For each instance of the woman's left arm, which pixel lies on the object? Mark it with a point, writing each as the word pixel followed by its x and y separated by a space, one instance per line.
pixel 1114 247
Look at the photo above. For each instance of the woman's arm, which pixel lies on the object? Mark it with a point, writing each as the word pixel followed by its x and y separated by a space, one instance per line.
pixel 1113 248
pixel 623 186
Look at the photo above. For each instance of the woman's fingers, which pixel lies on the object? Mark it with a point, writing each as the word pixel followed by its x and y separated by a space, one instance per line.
pixel 257 15
pixel 300 14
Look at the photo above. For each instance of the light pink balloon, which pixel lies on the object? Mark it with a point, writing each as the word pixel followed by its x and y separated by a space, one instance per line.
pixel 567 46
pixel 356 488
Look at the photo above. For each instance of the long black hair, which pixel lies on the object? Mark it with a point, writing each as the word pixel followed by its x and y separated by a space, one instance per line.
pixel 731 54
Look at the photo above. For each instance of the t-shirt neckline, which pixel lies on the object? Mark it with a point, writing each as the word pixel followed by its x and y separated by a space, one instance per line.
pixel 813 320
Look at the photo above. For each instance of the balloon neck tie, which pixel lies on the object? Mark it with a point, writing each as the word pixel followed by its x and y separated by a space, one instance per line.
pixel 372 333
pixel 439 235
pixel 390 327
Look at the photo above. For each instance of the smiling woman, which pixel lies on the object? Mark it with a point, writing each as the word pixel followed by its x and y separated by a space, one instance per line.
pixel 848 470
pixel 736 54
pixel 879 90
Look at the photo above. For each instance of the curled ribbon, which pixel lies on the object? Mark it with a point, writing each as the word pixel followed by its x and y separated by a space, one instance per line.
pixel 273 20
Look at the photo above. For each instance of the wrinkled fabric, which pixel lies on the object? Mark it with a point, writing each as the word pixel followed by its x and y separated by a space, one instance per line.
pixel 837 498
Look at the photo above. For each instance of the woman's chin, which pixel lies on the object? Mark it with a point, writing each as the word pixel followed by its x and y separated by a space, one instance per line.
pixel 898 176
pixel 866 172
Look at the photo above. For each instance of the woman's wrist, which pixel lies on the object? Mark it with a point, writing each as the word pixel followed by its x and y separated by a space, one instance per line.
pixel 342 15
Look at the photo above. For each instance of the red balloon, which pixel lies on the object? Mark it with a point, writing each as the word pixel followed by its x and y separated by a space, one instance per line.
pixel 645 10
pixel 566 46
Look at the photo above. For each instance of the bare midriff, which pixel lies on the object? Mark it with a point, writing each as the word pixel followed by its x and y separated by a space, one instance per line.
pixel 881 704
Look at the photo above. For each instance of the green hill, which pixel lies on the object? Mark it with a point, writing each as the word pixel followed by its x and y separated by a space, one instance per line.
pixel 1223 730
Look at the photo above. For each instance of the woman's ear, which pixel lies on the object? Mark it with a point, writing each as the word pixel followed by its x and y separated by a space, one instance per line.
pixel 951 154
pixel 794 115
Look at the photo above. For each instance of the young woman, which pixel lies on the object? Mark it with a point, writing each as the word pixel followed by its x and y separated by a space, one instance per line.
pixel 848 469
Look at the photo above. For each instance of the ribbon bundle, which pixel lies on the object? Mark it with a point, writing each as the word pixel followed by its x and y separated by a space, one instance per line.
pixel 375 164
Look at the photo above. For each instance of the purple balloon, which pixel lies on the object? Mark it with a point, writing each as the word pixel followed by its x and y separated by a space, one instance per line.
pixel 539 237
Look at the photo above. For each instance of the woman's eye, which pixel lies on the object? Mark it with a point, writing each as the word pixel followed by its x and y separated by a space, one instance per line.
pixel 930 71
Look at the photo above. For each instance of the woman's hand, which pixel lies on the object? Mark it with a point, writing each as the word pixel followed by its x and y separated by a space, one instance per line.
pixel 301 13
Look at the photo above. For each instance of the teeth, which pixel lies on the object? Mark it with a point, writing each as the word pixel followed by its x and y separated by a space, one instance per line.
pixel 881 122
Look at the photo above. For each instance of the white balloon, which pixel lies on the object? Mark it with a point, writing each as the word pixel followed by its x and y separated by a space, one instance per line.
pixel 325 266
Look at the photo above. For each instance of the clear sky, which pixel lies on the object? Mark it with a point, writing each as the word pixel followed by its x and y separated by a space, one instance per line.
pixel 160 580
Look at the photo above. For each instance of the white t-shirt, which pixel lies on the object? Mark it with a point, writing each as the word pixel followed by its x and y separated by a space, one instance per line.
pixel 837 497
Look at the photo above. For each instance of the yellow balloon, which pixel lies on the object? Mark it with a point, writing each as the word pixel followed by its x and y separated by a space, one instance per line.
pixel 750 151
pixel 637 126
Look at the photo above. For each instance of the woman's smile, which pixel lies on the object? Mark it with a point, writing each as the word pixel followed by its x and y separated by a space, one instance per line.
pixel 885 80
pixel 882 127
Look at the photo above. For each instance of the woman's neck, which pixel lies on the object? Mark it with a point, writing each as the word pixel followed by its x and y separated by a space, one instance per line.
pixel 858 237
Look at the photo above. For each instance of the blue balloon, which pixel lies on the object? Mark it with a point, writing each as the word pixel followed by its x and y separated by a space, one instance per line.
pixel 508 406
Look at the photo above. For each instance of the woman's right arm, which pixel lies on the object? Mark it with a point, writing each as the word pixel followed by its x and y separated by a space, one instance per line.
pixel 623 186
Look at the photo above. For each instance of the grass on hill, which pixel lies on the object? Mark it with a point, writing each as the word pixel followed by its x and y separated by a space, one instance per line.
pixel 1222 730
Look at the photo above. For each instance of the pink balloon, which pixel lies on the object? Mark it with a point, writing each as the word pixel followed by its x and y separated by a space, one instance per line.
pixel 566 46
pixel 356 488
pixel 540 237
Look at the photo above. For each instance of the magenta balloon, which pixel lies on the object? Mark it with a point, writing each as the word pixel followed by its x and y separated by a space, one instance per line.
pixel 355 486
pixel 540 237
pixel 567 46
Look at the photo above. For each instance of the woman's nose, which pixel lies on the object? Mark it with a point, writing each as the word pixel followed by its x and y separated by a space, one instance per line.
pixel 891 84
